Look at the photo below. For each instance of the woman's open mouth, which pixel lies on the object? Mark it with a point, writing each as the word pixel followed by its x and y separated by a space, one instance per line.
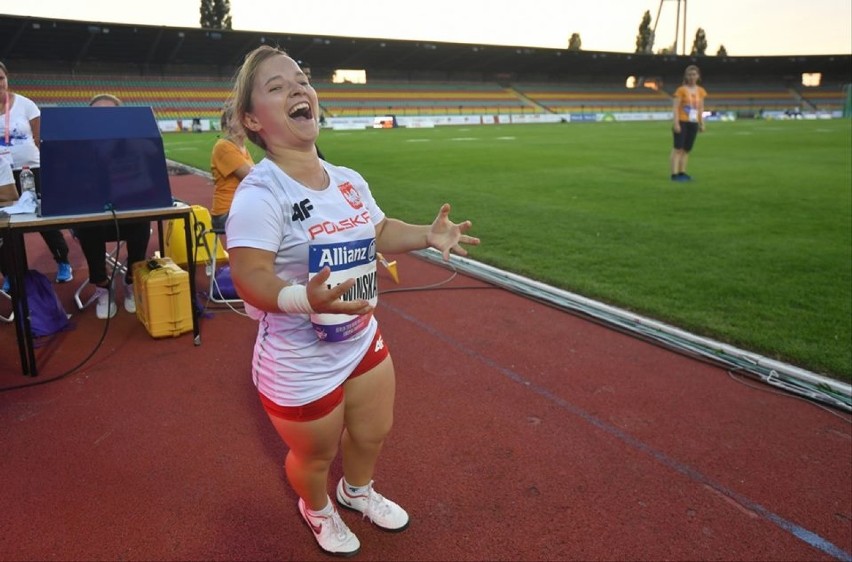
pixel 301 111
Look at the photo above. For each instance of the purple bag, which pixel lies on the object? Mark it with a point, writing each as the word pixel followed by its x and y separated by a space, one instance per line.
pixel 46 313
pixel 225 284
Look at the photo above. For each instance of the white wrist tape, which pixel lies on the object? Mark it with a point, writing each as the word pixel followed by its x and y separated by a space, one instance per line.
pixel 293 299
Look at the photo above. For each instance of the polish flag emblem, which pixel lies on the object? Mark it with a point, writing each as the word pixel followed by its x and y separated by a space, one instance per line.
pixel 351 194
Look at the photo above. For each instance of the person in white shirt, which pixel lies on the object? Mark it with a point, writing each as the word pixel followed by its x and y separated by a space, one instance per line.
pixel 303 236
pixel 20 123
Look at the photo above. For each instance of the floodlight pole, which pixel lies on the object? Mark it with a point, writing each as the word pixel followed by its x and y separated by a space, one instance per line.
pixel 679 29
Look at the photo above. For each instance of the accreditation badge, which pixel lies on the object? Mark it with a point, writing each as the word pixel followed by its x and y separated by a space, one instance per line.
pixel 355 259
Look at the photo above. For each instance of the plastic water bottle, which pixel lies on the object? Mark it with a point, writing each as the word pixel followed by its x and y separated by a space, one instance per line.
pixel 27 180
pixel 28 184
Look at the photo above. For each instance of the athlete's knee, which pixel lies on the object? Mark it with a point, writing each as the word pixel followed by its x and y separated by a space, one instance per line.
pixel 370 434
pixel 312 461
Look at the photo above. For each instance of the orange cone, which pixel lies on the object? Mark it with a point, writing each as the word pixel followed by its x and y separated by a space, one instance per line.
pixel 390 266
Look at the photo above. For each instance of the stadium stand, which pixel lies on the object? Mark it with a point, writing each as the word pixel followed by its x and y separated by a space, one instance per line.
pixel 185 73
pixel 751 98
pixel 170 98
pixel 188 98
pixel 827 97
pixel 569 98
pixel 422 98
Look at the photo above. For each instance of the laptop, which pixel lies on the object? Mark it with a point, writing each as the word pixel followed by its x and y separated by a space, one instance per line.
pixel 95 159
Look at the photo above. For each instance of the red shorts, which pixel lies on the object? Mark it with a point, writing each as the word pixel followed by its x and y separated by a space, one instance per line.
pixel 320 407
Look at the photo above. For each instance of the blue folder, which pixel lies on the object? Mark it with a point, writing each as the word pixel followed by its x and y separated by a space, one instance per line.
pixel 97 158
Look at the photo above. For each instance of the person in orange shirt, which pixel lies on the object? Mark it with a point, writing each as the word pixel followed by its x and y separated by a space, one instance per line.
pixel 688 112
pixel 230 162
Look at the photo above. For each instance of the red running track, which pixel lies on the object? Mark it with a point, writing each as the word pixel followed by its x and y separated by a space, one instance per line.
pixel 522 433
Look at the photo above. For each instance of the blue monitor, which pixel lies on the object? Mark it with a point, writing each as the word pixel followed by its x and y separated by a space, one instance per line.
pixel 97 158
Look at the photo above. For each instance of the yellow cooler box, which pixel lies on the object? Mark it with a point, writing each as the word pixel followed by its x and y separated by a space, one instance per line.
pixel 163 300
pixel 175 238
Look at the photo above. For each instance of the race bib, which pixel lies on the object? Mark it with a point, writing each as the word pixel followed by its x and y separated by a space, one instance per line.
pixel 355 259
pixel 693 115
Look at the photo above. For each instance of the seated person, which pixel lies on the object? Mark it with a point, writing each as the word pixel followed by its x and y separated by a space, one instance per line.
pixel 230 162
pixel 93 241
pixel 20 137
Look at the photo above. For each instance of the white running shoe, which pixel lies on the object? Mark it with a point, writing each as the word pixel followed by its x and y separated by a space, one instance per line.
pixel 129 299
pixel 384 513
pixel 105 307
pixel 331 533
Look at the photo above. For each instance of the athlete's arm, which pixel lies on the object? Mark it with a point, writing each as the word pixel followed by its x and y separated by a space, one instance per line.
pixel 675 108
pixel 394 236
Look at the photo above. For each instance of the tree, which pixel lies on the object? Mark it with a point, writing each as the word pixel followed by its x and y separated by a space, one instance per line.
pixel 722 52
pixel 575 43
pixel 699 46
pixel 645 39
pixel 215 14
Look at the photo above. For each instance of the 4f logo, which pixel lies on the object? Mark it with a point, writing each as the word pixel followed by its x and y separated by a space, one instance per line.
pixel 302 210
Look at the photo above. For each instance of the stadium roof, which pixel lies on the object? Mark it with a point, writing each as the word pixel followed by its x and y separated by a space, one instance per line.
pixel 74 45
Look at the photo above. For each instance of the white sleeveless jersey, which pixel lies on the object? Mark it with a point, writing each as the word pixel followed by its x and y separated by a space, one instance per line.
pixel 299 358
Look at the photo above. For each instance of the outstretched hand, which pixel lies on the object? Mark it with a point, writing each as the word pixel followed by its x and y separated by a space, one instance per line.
pixel 327 301
pixel 446 236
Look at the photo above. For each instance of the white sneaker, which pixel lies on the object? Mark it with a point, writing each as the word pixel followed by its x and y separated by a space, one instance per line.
pixel 384 513
pixel 105 307
pixel 129 299
pixel 331 533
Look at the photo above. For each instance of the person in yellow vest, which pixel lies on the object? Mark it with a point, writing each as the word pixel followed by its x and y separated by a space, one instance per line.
pixel 688 114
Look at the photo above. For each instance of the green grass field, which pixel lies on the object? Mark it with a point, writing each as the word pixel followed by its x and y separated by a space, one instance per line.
pixel 755 252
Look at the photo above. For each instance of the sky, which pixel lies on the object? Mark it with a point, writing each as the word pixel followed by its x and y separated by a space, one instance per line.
pixel 744 27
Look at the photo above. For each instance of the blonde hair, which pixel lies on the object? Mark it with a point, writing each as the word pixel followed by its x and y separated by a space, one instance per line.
pixel 229 124
pixel 104 97
pixel 241 95
pixel 227 118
